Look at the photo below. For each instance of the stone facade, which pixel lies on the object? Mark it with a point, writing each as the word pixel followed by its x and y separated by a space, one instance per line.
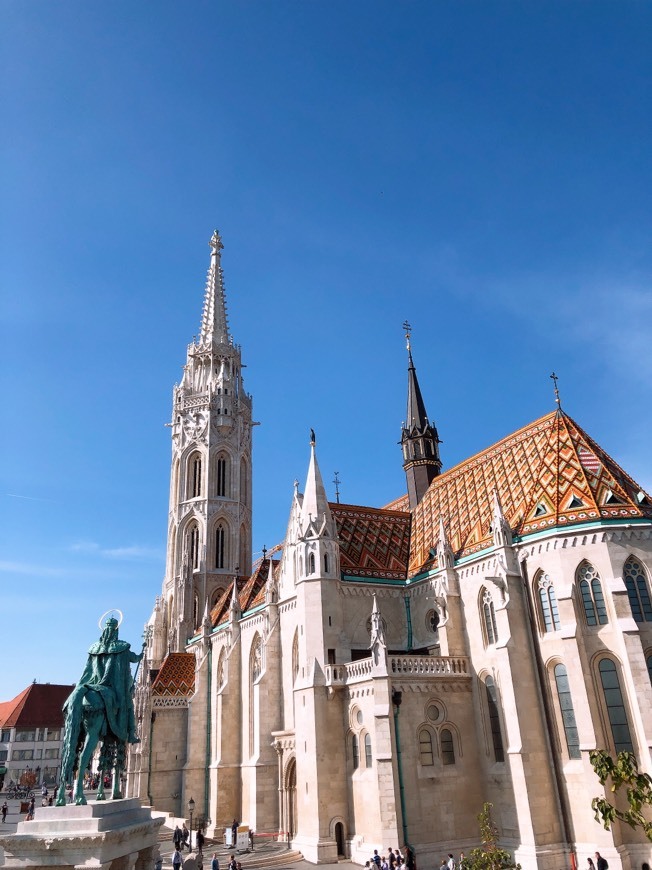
pixel 392 669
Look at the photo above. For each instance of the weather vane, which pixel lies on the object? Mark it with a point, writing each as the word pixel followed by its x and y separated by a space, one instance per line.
pixel 337 482
pixel 408 331
pixel 554 378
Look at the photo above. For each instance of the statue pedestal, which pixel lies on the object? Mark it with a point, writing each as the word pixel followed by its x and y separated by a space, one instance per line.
pixel 111 835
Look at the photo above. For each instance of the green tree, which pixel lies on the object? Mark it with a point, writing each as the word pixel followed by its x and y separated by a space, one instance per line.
pixel 489 856
pixel 622 772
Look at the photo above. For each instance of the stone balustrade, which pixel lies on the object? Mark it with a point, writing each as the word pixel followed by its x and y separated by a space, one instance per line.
pixel 403 665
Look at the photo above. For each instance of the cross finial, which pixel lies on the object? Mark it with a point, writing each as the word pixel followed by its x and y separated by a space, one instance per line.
pixel 408 332
pixel 313 440
pixel 216 242
pixel 554 378
pixel 337 481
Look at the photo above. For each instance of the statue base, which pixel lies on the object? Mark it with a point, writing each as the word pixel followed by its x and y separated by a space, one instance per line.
pixel 111 835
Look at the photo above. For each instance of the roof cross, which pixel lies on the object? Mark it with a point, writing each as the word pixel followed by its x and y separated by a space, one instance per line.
pixel 554 378
pixel 408 331
pixel 337 482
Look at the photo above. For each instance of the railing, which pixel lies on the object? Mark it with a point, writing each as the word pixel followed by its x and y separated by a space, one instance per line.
pixel 405 665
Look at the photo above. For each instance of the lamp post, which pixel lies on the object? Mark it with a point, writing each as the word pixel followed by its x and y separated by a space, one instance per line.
pixel 191 810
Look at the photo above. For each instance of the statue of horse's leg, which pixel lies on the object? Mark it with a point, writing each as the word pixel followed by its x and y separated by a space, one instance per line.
pixel 117 771
pixel 68 758
pixel 92 726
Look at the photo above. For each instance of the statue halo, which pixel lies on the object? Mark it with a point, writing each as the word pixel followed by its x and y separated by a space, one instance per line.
pixel 100 622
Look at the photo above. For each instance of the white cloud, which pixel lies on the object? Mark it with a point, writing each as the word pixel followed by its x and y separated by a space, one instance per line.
pixel 134 552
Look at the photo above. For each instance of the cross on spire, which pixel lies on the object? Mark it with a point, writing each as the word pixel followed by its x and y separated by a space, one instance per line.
pixel 337 482
pixel 554 378
pixel 408 331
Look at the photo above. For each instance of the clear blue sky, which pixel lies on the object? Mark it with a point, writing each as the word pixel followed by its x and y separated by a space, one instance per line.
pixel 479 168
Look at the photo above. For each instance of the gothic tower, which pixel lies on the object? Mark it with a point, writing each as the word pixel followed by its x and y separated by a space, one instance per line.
pixel 209 527
pixel 419 439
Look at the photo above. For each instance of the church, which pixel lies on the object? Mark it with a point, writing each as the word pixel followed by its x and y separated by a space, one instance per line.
pixel 378 676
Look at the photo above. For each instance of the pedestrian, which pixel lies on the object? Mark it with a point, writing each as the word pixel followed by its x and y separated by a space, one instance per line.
pixel 589 864
pixel 233 864
pixel 600 862
pixel 451 862
pixel 234 832
pixel 176 837
pixel 443 865
pixel 251 839
pixel 410 861
pixel 461 863
pixel 177 860
pixel 185 837
pixel 215 863
pixel 5 807
pixel 199 842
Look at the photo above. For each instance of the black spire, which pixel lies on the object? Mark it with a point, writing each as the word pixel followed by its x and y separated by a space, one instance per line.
pixel 419 438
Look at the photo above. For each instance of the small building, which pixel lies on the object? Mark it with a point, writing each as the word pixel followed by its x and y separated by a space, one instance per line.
pixel 31 733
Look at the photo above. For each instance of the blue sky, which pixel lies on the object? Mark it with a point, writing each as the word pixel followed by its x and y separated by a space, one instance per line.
pixel 479 168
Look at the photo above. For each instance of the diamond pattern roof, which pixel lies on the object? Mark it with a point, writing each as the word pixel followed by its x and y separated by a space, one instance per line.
pixel 548 474
pixel 176 677
pixel 251 592
pixel 373 542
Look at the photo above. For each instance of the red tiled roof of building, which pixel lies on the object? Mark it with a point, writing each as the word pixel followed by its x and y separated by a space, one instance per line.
pixel 251 592
pixel 37 706
pixel 548 474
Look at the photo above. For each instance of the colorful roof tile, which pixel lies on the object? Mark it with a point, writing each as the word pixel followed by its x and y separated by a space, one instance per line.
pixel 176 677
pixel 548 474
pixel 374 542
pixel 37 706
pixel 251 592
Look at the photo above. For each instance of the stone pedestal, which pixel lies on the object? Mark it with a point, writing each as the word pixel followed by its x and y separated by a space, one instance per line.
pixel 112 835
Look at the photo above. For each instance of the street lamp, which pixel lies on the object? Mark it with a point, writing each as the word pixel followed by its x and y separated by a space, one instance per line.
pixel 191 810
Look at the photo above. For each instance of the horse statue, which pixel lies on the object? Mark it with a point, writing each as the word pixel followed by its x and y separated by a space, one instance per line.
pixel 100 709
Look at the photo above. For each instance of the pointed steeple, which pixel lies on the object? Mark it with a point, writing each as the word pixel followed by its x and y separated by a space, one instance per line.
pixel 419 438
pixel 502 533
pixel 314 508
pixel 214 326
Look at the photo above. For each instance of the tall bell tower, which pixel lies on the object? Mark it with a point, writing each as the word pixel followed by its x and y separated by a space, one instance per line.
pixel 210 518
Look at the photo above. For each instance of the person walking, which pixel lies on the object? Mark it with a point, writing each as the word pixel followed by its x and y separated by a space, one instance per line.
pixel 176 837
pixel 5 807
pixel 589 864
pixel 177 860
pixel 600 862
pixel 215 863
pixel 199 842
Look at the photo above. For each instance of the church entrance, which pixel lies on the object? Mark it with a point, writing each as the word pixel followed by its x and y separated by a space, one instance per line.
pixel 291 799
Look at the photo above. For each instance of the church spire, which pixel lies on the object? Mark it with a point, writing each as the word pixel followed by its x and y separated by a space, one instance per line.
pixel 314 508
pixel 214 325
pixel 419 438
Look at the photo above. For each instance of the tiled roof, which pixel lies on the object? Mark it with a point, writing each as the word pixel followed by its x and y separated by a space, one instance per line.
pixel 176 677
pixel 548 474
pixel 251 592
pixel 37 706
pixel 373 542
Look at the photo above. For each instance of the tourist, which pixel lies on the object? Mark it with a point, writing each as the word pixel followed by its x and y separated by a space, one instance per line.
pixel 177 860
pixel 5 807
pixel 215 863
pixel 600 862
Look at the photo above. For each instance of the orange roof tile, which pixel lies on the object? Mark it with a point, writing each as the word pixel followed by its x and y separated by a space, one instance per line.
pixel 251 592
pixel 373 542
pixel 176 677
pixel 548 474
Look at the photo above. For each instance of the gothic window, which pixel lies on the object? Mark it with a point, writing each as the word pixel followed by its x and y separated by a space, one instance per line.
pixel 637 590
pixel 432 621
pixel 256 659
pixel 193 546
pixel 426 756
pixel 567 712
pixel 613 698
pixel 220 546
pixel 221 669
pixel 243 482
pixel 295 656
pixel 325 563
pixel 494 719
pixel 548 602
pixel 311 563
pixel 447 748
pixel 221 476
pixel 595 610
pixel 355 751
pixel 368 758
pixel 489 614
pixel 195 611
pixel 194 476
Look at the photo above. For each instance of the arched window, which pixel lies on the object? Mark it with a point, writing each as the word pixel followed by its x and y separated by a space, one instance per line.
pixel 193 546
pixel 548 602
pixel 567 712
pixel 595 610
pixel 355 751
pixel 325 563
pixel 220 546
pixel 637 590
pixel 311 563
pixel 447 748
pixel 221 476
pixel 295 656
pixel 243 482
pixel 494 719
pixel 221 669
pixel 194 475
pixel 256 659
pixel 613 698
pixel 425 748
pixel 195 611
pixel 368 758
pixel 490 627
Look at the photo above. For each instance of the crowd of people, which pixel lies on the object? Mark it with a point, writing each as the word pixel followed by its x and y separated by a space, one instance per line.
pixel 392 860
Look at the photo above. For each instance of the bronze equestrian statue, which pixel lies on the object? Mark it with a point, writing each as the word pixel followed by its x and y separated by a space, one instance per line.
pixel 100 709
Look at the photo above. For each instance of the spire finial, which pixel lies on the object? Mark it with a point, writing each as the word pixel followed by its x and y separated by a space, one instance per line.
pixel 264 552
pixel 337 482
pixel 216 242
pixel 554 378
pixel 313 439
pixel 408 332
